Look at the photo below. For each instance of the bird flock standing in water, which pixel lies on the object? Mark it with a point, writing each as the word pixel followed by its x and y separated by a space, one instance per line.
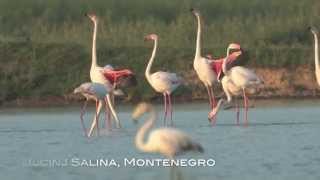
pixel 107 82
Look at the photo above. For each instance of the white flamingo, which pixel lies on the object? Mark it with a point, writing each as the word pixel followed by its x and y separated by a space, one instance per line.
pixel 98 93
pixel 166 141
pixel 235 81
pixel 316 53
pixel 106 75
pixel 202 66
pixel 162 82
pixel 96 72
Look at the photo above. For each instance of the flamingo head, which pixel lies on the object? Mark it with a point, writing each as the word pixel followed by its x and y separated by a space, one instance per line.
pixel 234 46
pixel 313 30
pixel 151 37
pixel 92 16
pixel 140 109
pixel 195 12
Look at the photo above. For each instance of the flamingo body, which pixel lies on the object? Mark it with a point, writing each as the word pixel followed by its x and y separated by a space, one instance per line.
pixel 204 71
pixel 164 82
pixel 92 91
pixel 243 77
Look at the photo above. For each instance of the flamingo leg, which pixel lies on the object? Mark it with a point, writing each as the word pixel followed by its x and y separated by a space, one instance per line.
pixel 83 111
pixel 246 101
pixel 170 109
pixel 165 109
pixel 212 103
pixel 210 98
pixel 112 102
pixel 107 122
pixel 213 99
pixel 95 119
pixel 237 111
pixel 114 113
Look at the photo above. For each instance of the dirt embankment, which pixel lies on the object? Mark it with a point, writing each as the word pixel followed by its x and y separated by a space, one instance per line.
pixel 282 82
pixel 278 83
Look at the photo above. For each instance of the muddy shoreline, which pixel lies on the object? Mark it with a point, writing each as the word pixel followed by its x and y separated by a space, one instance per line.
pixel 279 83
pixel 56 101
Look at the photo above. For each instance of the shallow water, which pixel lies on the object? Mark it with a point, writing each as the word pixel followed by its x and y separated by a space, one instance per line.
pixel 281 142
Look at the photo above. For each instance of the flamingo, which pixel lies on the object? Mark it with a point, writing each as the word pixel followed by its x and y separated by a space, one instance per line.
pixel 315 33
pixel 235 82
pixel 166 141
pixel 107 75
pixel 98 93
pixel 202 66
pixel 162 82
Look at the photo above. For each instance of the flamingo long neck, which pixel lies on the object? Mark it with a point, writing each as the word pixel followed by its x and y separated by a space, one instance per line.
pixel 316 52
pixel 198 45
pixel 113 111
pixel 216 109
pixel 147 73
pixel 224 66
pixel 94 48
pixel 228 52
pixel 139 140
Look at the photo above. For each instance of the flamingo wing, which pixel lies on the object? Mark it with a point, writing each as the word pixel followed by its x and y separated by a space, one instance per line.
pixel 243 76
pixel 114 75
pixel 165 81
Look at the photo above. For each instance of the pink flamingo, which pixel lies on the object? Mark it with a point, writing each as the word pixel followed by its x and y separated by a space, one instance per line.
pixel 202 65
pixel 162 82
pixel 235 82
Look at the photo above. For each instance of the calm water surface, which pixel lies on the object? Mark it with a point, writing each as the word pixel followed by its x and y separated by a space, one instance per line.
pixel 281 142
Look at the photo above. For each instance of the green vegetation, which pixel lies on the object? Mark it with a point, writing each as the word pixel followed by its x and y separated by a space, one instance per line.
pixel 45 46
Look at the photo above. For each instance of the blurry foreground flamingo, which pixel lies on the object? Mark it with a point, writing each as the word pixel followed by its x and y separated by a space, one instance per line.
pixel 166 141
